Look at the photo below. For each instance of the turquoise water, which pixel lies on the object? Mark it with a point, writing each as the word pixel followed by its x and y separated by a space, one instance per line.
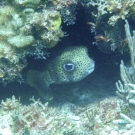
pixel 87 107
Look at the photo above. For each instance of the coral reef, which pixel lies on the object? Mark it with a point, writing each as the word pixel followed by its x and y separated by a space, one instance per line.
pixel 38 118
pixel 108 22
pixel 29 28
pixel 117 8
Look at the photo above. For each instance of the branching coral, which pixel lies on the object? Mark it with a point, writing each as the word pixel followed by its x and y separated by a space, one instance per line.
pixel 125 120
pixel 9 104
pixel 126 90
pixel 38 118
pixel 126 76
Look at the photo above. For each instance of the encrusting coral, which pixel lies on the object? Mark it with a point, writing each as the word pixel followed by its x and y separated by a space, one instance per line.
pixel 26 26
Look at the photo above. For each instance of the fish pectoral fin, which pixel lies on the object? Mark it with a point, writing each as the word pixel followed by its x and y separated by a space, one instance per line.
pixel 45 93
pixel 36 80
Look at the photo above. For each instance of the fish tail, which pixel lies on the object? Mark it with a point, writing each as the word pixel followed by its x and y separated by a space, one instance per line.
pixel 36 80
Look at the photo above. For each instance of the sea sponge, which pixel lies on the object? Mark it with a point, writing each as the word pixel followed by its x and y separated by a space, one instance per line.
pixel 24 29
pixel 51 44
pixel 8 52
pixel 5 49
pixel 21 40
pixel 17 21
pixel 26 3
pixel 55 21
pixel 6 32
pixel 5 12
pixel 51 38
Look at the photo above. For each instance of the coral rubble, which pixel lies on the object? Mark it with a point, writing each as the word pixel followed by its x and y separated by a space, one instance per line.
pixel 38 118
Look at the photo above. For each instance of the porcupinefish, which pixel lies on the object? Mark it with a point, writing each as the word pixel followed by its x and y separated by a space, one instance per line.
pixel 71 65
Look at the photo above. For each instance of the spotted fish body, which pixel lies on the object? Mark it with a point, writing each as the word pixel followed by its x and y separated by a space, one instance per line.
pixel 71 65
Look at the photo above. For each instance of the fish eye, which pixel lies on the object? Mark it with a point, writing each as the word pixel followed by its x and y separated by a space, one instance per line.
pixel 69 66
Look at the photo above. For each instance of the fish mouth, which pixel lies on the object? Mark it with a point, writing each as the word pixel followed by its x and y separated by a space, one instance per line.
pixel 91 68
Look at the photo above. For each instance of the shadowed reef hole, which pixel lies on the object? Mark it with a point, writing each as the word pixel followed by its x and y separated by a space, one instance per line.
pixel 99 84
